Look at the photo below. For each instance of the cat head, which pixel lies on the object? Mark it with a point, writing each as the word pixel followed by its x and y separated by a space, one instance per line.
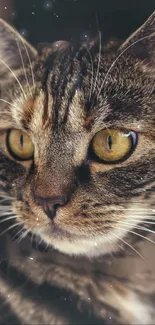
pixel 77 139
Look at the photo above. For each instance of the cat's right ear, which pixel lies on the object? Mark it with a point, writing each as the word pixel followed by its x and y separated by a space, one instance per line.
pixel 14 49
pixel 141 44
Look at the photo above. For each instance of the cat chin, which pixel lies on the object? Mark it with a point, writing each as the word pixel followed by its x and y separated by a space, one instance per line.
pixel 89 247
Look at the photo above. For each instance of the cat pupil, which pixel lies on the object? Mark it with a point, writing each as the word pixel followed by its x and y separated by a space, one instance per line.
pixel 21 140
pixel 110 141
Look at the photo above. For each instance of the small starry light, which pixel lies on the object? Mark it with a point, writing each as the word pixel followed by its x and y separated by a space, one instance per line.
pixel 33 13
pixel 24 32
pixel 31 258
pixel 48 5
pixel 5 8
pixel 85 37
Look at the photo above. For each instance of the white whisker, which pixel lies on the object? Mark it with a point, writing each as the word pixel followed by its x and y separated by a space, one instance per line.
pixel 14 77
pixel 33 80
pixel 21 56
pixel 23 236
pixel 114 62
pixel 99 61
pixel 10 228
pixel 92 78
pixel 18 232
pixel 6 102
pixel 133 232
pixel 6 219
pixel 128 245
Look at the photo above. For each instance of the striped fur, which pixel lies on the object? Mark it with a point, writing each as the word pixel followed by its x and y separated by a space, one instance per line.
pixel 96 264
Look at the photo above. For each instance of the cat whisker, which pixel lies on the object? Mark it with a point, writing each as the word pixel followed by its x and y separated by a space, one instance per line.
pixel 28 56
pixel 114 244
pixel 114 62
pixel 5 209
pixel 135 233
pixel 32 238
pixel 99 61
pixel 10 218
pixel 18 232
pixel 6 102
pixel 136 227
pixel 23 236
pixel 129 246
pixel 5 197
pixel 15 225
pixel 14 75
pixel 147 222
pixel 92 72
pixel 32 73
pixel 39 243
pixel 21 56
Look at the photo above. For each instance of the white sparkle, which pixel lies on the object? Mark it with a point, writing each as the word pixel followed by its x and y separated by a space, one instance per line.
pixel 31 258
pixel 5 8
pixel 33 13
pixel 48 5
pixel 24 32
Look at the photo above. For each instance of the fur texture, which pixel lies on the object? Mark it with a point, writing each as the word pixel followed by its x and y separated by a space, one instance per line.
pixel 62 95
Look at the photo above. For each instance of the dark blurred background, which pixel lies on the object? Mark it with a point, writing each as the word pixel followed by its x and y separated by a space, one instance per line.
pixel 50 20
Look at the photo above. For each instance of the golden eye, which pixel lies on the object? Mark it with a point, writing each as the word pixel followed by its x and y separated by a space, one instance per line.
pixel 112 145
pixel 20 145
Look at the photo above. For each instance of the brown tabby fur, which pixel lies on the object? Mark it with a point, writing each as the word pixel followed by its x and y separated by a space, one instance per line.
pixel 62 95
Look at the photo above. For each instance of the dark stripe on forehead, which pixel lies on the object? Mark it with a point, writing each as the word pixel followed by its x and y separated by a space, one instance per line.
pixel 65 75
pixel 70 70
pixel 61 76
pixel 77 82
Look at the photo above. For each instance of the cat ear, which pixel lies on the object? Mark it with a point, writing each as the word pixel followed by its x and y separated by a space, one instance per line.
pixel 141 44
pixel 14 49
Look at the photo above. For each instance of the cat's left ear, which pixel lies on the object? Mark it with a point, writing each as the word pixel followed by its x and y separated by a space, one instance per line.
pixel 14 49
pixel 141 44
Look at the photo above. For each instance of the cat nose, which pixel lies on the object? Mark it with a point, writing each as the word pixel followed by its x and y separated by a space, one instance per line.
pixel 51 204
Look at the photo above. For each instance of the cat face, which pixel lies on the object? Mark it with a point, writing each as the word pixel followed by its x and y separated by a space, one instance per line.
pixel 77 149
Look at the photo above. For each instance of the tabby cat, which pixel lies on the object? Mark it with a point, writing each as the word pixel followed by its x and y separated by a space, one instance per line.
pixel 77 184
